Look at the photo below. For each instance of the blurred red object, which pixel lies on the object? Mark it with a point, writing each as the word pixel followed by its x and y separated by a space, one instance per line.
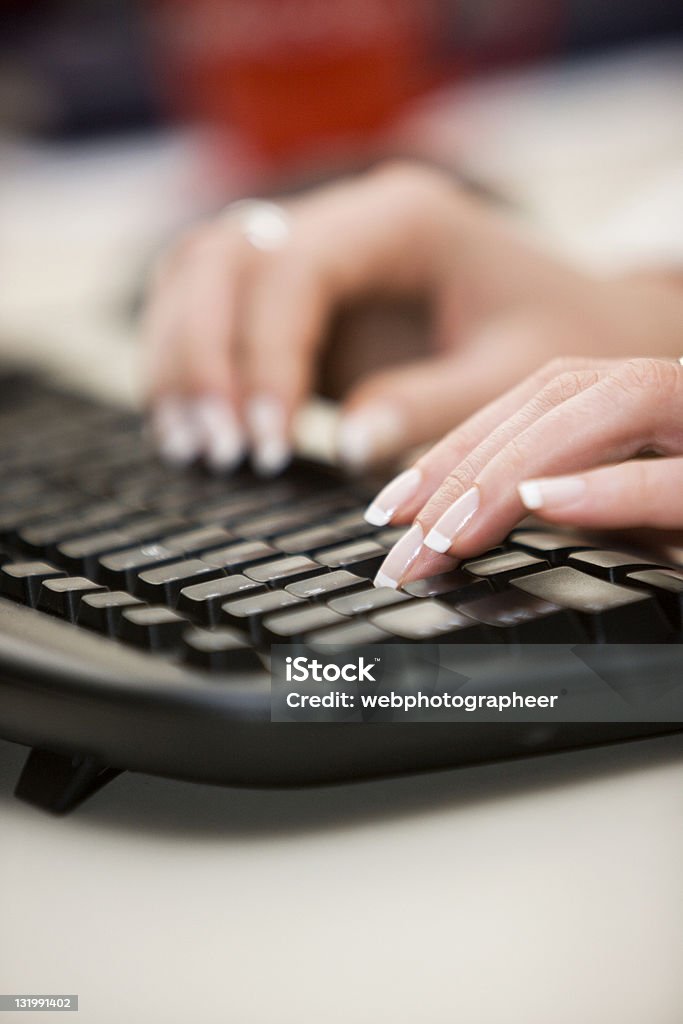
pixel 293 79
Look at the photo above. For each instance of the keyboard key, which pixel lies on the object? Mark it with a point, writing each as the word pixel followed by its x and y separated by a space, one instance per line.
pixel 390 536
pixel 667 587
pixel 12 520
pixel 430 620
pixel 611 613
pixel 356 633
pixel 303 542
pixel 361 602
pixel 314 538
pixel 273 524
pixel 609 565
pixel 293 625
pixel 237 557
pixel 353 524
pixel 246 613
pixel 219 650
pixel 282 571
pixel 44 537
pixel 554 547
pixel 202 601
pixel 162 584
pixel 228 510
pixel 525 618
pixel 351 520
pixel 155 628
pixel 231 509
pixel 102 610
pixel 21 581
pixel 362 557
pixel 194 542
pixel 82 554
pixel 62 596
pixel 150 528
pixel 329 584
pixel 500 569
pixel 120 570
pixel 451 587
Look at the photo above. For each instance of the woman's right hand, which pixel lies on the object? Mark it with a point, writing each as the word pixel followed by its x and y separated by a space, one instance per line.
pixel 235 331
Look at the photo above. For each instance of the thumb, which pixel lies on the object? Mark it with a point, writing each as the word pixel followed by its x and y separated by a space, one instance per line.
pixel 416 403
pixel 394 410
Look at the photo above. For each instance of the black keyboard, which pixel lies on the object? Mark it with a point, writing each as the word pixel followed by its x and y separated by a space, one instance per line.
pixel 138 606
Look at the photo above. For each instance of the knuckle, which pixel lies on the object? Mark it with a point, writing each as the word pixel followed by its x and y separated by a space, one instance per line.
pixel 649 375
pixel 454 485
pixel 412 181
pixel 564 386
pixel 517 451
pixel 466 472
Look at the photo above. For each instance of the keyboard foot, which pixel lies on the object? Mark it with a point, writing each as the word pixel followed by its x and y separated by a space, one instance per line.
pixel 59 782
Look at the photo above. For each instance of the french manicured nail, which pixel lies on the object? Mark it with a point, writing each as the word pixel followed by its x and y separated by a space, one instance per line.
pixel 442 534
pixel 551 492
pixel 382 510
pixel 369 434
pixel 400 558
pixel 223 437
pixel 270 448
pixel 176 431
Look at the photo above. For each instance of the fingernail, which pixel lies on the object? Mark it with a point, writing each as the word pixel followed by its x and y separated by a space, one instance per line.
pixel 382 510
pixel 223 437
pixel 176 430
pixel 271 450
pixel 441 536
pixel 559 490
pixel 368 434
pixel 400 558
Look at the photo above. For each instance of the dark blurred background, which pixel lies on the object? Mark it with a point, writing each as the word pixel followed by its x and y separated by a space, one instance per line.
pixel 289 75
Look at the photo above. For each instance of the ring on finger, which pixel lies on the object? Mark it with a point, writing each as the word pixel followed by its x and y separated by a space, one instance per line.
pixel 265 225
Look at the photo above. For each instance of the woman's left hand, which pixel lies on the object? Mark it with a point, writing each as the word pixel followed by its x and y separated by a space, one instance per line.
pixel 561 445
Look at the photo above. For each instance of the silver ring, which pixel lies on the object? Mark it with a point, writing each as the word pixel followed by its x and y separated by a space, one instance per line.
pixel 265 225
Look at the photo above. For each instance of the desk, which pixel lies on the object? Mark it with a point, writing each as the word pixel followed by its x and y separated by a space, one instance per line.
pixel 542 890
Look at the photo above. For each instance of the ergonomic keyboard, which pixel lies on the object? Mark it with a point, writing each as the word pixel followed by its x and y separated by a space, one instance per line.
pixel 138 605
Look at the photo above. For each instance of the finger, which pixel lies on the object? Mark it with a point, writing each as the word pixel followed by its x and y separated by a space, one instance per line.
pixel 190 330
pixel 643 493
pixel 395 410
pixel 206 347
pixel 172 420
pixel 373 234
pixel 634 406
pixel 157 327
pixel 403 497
pixel 285 318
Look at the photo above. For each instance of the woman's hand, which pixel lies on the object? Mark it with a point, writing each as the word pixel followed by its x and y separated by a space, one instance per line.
pixel 560 445
pixel 235 332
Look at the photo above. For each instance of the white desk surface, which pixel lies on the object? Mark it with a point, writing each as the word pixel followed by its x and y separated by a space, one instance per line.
pixel 538 891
